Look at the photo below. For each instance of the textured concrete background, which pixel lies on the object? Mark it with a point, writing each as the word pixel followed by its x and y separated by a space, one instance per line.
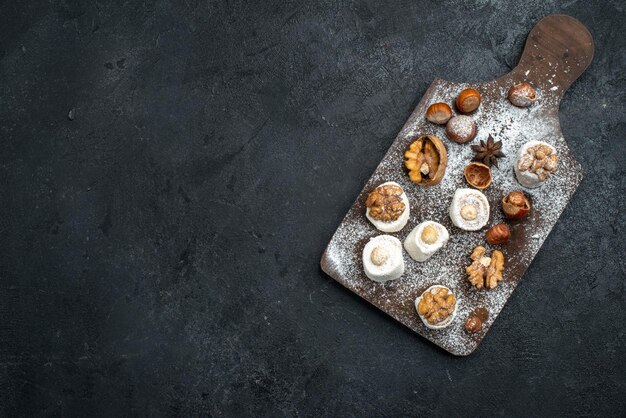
pixel 159 253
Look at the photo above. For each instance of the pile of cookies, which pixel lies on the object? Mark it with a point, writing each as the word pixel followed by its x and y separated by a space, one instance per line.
pixel 426 159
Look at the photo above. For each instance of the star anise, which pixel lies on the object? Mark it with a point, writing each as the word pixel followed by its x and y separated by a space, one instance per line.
pixel 489 152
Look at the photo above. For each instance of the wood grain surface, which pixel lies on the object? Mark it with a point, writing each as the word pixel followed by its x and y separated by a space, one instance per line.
pixel 557 51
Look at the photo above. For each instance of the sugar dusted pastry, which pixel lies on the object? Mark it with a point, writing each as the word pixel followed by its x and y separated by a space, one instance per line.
pixel 469 209
pixel 436 307
pixel 461 129
pixel 536 161
pixel 388 207
pixel 425 239
pixel 382 258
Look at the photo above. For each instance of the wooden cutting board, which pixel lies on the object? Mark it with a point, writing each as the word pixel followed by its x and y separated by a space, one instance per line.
pixel 558 49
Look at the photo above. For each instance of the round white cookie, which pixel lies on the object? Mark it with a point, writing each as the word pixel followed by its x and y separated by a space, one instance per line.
pixel 469 209
pixel 425 239
pixel 382 258
pixel 398 224
pixel 446 322
pixel 527 178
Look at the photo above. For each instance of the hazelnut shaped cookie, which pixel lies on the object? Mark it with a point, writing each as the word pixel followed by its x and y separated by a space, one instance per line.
pixel 461 129
pixel 436 307
pixel 425 239
pixel 388 207
pixel 469 209
pixel 382 258
pixel 536 162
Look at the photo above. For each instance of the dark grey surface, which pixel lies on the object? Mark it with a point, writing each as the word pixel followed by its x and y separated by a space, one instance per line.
pixel 159 253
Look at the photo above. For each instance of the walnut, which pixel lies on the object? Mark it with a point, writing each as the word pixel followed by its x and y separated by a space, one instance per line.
pixel 437 305
pixel 495 269
pixel 478 253
pixel 485 271
pixel 476 270
pixel 385 203
pixel 426 159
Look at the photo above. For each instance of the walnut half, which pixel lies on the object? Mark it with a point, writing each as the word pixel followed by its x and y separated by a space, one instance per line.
pixel 385 203
pixel 426 159
pixel 485 271
pixel 437 305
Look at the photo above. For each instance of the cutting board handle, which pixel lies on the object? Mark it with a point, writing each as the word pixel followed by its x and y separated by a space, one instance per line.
pixel 558 50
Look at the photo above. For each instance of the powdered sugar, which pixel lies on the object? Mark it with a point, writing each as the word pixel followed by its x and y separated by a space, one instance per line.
pixel 513 126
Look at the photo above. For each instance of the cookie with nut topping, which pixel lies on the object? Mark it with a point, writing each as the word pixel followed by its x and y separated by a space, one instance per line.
pixel 426 239
pixel 436 307
pixel 382 258
pixel 469 209
pixel 388 207
pixel 536 162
